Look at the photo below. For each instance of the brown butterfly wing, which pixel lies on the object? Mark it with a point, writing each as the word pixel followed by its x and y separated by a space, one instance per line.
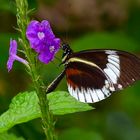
pixel 116 70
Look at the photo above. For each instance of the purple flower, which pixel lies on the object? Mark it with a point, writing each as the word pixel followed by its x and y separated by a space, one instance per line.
pixel 13 56
pixel 42 40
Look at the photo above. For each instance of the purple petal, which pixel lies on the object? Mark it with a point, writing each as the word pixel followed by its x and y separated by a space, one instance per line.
pixel 32 30
pixel 10 63
pixel 47 29
pixel 47 53
pixel 33 26
pixel 13 47
pixel 45 57
pixel 20 59
pixel 45 24
pixel 56 43
pixel 12 52
pixel 38 48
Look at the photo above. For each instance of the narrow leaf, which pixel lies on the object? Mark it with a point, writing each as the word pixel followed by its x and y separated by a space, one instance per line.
pixel 24 107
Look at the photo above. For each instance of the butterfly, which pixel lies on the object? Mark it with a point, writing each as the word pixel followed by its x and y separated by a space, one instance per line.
pixel 93 75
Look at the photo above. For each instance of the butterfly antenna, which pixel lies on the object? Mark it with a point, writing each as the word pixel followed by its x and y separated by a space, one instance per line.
pixel 63 42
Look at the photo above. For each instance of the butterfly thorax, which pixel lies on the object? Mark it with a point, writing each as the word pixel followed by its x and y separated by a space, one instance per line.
pixel 67 52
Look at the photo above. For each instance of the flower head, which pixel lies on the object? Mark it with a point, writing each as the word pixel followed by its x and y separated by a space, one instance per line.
pixel 42 40
pixel 13 55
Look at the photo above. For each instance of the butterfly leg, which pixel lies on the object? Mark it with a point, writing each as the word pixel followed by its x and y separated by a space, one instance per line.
pixel 55 82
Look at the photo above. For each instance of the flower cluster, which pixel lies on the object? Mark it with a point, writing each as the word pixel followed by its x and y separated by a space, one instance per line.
pixel 42 40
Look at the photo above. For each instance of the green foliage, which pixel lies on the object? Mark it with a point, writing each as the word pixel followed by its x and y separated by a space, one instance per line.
pixel 76 134
pixel 32 4
pixel 132 28
pixel 24 107
pixel 105 40
pixel 131 102
pixel 8 5
pixel 6 136
pixel 119 121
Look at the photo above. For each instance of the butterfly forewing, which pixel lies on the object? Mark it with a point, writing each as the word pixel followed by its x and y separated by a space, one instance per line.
pixel 93 75
pixel 125 66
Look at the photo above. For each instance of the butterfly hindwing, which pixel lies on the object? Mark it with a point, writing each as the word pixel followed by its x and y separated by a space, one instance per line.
pixel 86 83
pixel 93 75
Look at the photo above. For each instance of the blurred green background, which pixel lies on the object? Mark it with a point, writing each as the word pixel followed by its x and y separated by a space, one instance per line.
pixel 84 25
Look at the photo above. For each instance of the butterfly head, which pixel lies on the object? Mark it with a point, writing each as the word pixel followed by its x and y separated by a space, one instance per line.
pixel 67 51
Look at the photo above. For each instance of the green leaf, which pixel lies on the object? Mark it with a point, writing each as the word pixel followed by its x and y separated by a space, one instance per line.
pixel 7 136
pixel 24 107
pixel 63 103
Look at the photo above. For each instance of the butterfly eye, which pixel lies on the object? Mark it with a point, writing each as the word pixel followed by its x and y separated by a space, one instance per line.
pixel 64 54
pixel 64 47
pixel 67 51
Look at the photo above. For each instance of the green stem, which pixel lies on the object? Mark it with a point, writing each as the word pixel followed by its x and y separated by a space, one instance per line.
pixel 47 117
